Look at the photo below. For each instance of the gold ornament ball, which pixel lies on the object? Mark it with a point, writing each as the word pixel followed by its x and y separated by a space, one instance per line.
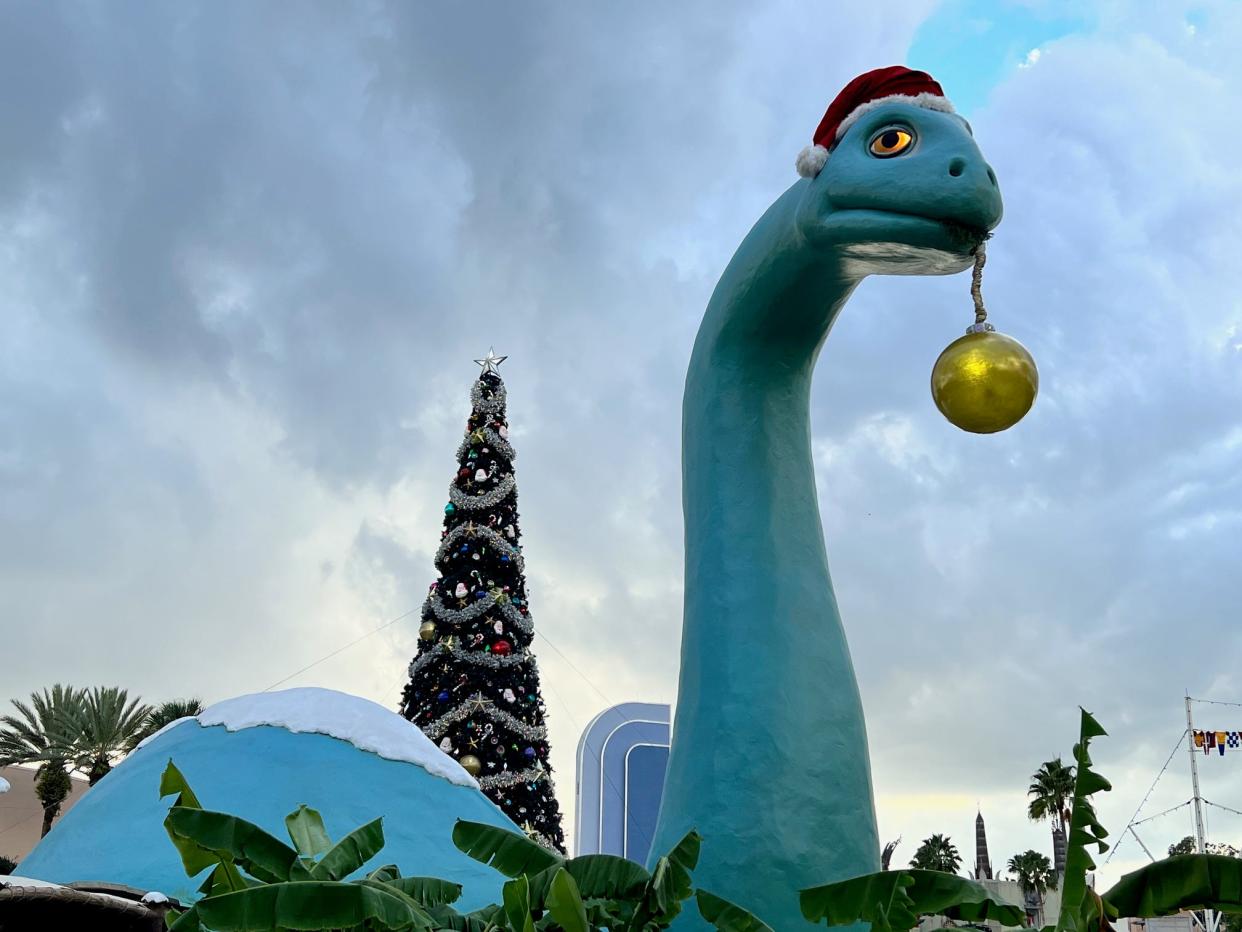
pixel 472 764
pixel 984 382
pixel 427 630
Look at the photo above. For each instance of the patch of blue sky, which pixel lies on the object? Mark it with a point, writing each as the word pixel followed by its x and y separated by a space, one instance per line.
pixel 969 46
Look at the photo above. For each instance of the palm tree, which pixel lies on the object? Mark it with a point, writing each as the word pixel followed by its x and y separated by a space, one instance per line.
pixel 1052 788
pixel 43 732
pixel 1034 871
pixel 165 714
pixel 106 725
pixel 937 853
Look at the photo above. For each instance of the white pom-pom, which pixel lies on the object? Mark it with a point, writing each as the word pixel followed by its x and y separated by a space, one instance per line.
pixel 811 161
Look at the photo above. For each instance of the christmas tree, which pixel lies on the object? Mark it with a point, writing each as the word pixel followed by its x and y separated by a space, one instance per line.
pixel 474 684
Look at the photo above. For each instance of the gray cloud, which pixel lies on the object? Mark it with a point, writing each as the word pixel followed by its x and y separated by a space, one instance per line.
pixel 246 257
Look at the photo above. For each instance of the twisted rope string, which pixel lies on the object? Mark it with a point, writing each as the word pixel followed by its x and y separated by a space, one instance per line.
pixel 976 290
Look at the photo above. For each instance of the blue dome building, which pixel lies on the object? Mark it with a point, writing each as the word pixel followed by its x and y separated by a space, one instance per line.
pixel 260 757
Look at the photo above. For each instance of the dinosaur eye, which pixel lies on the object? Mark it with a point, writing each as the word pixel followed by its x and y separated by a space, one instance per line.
pixel 890 141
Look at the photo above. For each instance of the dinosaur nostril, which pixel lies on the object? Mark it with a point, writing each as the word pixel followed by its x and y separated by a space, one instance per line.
pixel 956 167
pixel 991 176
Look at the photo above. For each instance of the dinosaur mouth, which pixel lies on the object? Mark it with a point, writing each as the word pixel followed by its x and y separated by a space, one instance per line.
pixel 861 226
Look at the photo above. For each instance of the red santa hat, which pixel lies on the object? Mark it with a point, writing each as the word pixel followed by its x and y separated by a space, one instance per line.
pixel 865 93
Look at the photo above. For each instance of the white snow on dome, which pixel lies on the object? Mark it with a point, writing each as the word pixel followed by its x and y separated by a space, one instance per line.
pixel 154 898
pixel 4 785
pixel 366 725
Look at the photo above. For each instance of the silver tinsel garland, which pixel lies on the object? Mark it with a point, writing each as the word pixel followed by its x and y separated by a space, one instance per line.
pixel 514 777
pixel 489 709
pixel 490 436
pixel 492 537
pixel 455 617
pixel 492 406
pixel 487 500
pixel 477 657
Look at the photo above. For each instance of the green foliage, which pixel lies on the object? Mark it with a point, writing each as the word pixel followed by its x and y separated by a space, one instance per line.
pixel 305 828
pixel 106 725
pixel 42 732
pixel 257 883
pixel 164 714
pixel 1187 846
pixel 1081 908
pixel 510 854
pixel 1051 789
pixel 895 900
pixel 260 883
pixel 43 729
pixel 1188 881
pixel 614 893
pixel 937 853
pixel 1033 871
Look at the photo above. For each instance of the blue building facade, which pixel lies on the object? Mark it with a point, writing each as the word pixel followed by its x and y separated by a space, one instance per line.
pixel 622 757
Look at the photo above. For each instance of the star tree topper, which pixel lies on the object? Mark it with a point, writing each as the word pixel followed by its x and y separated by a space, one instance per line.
pixel 491 362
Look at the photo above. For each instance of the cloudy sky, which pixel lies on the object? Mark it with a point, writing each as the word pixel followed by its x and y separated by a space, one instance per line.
pixel 248 252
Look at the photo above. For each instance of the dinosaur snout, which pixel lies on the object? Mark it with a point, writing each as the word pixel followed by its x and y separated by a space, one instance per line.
pixel 974 193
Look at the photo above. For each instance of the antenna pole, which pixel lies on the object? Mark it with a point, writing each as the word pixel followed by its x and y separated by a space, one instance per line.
pixel 1211 920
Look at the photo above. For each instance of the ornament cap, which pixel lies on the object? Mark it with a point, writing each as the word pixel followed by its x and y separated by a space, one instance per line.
pixel 981 326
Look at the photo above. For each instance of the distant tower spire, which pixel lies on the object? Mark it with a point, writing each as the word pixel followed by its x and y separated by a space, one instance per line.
pixel 983 864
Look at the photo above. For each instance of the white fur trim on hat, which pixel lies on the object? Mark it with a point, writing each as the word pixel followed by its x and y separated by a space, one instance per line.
pixel 925 100
pixel 811 161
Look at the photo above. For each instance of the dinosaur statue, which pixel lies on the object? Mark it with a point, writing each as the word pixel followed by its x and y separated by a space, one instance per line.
pixel 769 756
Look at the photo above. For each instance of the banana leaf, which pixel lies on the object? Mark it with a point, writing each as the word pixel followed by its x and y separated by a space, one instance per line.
pixel 1082 910
pixel 230 838
pixel 598 877
pixel 194 858
pixel 726 916
pixel 1188 881
pixel 896 900
pixel 351 852
pixel 426 891
pixel 565 903
pixel 481 920
pixel 516 897
pixel 307 833
pixel 507 852
pixel 670 882
pixel 308 905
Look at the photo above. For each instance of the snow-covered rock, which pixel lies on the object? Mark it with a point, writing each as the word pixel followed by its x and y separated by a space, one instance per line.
pixel 259 757
pixel 366 725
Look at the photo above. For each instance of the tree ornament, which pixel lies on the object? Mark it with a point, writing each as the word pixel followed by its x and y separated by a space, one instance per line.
pixel 446 745
pixel 508 694
pixel 450 508
pixel 461 591
pixel 984 382
pixel 498 627
pixel 503 431
pixel 480 475
pixel 427 631
pixel 502 647
pixel 471 764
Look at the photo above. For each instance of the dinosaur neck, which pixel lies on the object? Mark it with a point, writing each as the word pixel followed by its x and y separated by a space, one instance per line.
pixel 769 759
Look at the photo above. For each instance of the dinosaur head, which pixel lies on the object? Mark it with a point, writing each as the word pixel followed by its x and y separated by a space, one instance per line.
pixel 903 188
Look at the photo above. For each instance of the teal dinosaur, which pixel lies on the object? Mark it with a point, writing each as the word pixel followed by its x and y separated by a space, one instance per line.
pixel 769 757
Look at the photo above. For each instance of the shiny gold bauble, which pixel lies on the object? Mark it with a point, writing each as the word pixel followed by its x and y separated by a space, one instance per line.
pixel 472 764
pixel 984 382
pixel 427 630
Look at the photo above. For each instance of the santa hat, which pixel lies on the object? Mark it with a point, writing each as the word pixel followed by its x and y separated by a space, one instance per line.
pixel 863 94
